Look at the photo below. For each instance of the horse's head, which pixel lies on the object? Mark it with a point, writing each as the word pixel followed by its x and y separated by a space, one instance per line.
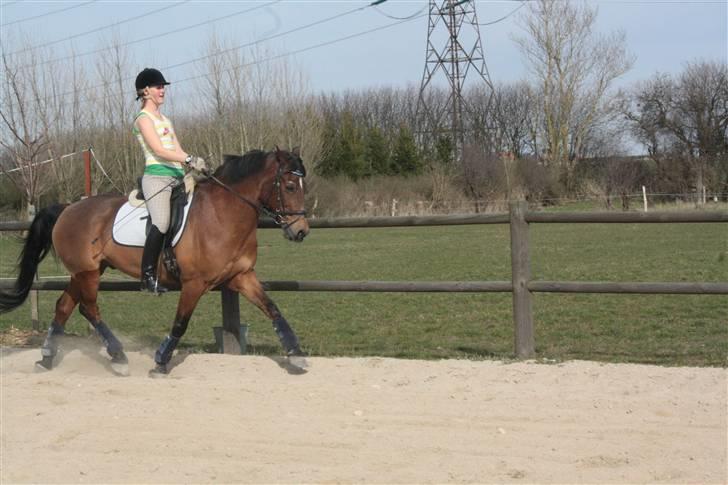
pixel 277 176
pixel 286 201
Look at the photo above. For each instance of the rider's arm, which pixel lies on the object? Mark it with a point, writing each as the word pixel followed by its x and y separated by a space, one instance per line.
pixel 146 127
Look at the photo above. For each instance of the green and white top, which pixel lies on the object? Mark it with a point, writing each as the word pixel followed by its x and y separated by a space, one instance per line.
pixel 153 164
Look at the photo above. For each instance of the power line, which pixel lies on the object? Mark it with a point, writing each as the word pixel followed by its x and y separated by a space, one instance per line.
pixel 297 29
pixel 265 39
pixel 279 56
pixel 81 34
pixel 47 14
pixel 523 4
pixel 401 18
pixel 156 36
pixel 304 49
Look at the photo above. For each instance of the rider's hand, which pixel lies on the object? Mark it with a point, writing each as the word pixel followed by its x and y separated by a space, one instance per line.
pixel 198 164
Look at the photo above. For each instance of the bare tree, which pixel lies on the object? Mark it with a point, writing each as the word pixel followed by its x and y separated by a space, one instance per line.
pixel 513 107
pixel 116 106
pixel 483 174
pixel 574 68
pixel 684 121
pixel 23 135
pixel 699 120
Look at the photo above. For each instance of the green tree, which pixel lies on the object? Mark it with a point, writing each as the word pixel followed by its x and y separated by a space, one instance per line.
pixel 328 165
pixel 405 157
pixel 351 148
pixel 345 154
pixel 376 152
pixel 444 149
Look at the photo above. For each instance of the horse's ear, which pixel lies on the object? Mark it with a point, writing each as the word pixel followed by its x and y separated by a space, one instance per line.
pixel 278 150
pixel 296 151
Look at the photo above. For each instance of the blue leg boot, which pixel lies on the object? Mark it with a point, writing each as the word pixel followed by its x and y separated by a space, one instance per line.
pixel 50 346
pixel 288 339
pixel 164 354
pixel 113 346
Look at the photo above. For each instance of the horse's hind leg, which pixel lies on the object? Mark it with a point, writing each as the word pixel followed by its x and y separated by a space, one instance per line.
pixel 88 282
pixel 249 286
pixel 64 307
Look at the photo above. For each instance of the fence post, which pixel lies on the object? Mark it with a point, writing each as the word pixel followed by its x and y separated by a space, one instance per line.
pixel 231 338
pixel 521 275
pixel 87 171
pixel 34 315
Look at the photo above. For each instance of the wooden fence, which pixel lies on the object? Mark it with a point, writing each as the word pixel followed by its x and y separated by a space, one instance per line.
pixel 521 284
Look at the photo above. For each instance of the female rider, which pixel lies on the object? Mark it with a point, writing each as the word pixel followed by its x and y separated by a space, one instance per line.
pixel 164 168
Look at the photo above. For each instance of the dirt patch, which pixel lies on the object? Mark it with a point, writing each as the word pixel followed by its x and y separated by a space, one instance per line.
pixel 229 419
pixel 16 337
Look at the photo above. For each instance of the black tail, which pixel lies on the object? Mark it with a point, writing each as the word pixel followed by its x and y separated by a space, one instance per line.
pixel 37 244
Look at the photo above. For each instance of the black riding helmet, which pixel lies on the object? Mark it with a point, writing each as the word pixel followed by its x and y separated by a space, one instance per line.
pixel 149 77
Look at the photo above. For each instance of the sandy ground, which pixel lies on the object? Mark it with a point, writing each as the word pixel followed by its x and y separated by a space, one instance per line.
pixel 228 419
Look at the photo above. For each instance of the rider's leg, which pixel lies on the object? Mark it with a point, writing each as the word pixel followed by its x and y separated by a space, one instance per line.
pixel 157 191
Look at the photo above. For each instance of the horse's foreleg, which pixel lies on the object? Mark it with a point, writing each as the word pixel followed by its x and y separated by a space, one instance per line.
pixel 249 286
pixel 189 296
pixel 88 282
pixel 64 307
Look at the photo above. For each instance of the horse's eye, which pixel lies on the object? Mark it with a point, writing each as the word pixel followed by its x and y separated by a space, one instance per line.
pixel 290 187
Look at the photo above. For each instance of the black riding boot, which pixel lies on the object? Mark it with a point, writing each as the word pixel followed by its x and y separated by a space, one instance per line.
pixel 150 257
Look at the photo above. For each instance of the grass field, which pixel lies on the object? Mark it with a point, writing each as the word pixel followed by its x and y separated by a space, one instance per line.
pixel 674 330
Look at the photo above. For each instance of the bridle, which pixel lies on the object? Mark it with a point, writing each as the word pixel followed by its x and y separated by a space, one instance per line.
pixel 276 214
pixel 281 212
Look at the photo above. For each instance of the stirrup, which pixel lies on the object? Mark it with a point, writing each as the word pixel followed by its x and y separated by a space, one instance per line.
pixel 151 284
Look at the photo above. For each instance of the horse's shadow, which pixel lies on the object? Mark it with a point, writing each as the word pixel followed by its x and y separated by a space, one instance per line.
pixel 273 353
pixel 92 348
pixel 285 364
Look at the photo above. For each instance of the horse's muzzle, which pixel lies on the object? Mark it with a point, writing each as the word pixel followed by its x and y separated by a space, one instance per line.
pixel 296 231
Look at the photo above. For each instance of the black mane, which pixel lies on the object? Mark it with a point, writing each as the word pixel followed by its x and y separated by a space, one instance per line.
pixel 236 167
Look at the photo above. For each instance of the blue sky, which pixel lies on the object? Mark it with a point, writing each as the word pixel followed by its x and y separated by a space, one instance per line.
pixel 662 34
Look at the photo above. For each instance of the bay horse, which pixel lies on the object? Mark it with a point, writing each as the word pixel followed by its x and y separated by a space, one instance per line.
pixel 218 247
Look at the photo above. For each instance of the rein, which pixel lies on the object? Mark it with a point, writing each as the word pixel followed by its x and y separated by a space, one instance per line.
pixel 255 206
pixel 277 214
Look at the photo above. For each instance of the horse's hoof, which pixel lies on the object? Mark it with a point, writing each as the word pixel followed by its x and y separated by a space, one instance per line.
pixel 298 361
pixel 119 358
pixel 120 368
pixel 159 371
pixel 119 363
pixel 45 364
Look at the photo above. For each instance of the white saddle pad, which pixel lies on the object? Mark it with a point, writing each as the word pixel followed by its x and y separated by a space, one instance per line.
pixel 130 224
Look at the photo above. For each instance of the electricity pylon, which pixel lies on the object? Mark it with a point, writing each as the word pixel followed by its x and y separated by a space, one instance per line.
pixel 455 53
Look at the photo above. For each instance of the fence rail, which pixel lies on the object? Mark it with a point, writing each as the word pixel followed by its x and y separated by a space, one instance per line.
pixel 521 285
pixel 505 218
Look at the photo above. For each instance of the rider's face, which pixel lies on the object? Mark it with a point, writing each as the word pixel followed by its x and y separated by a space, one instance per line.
pixel 157 93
